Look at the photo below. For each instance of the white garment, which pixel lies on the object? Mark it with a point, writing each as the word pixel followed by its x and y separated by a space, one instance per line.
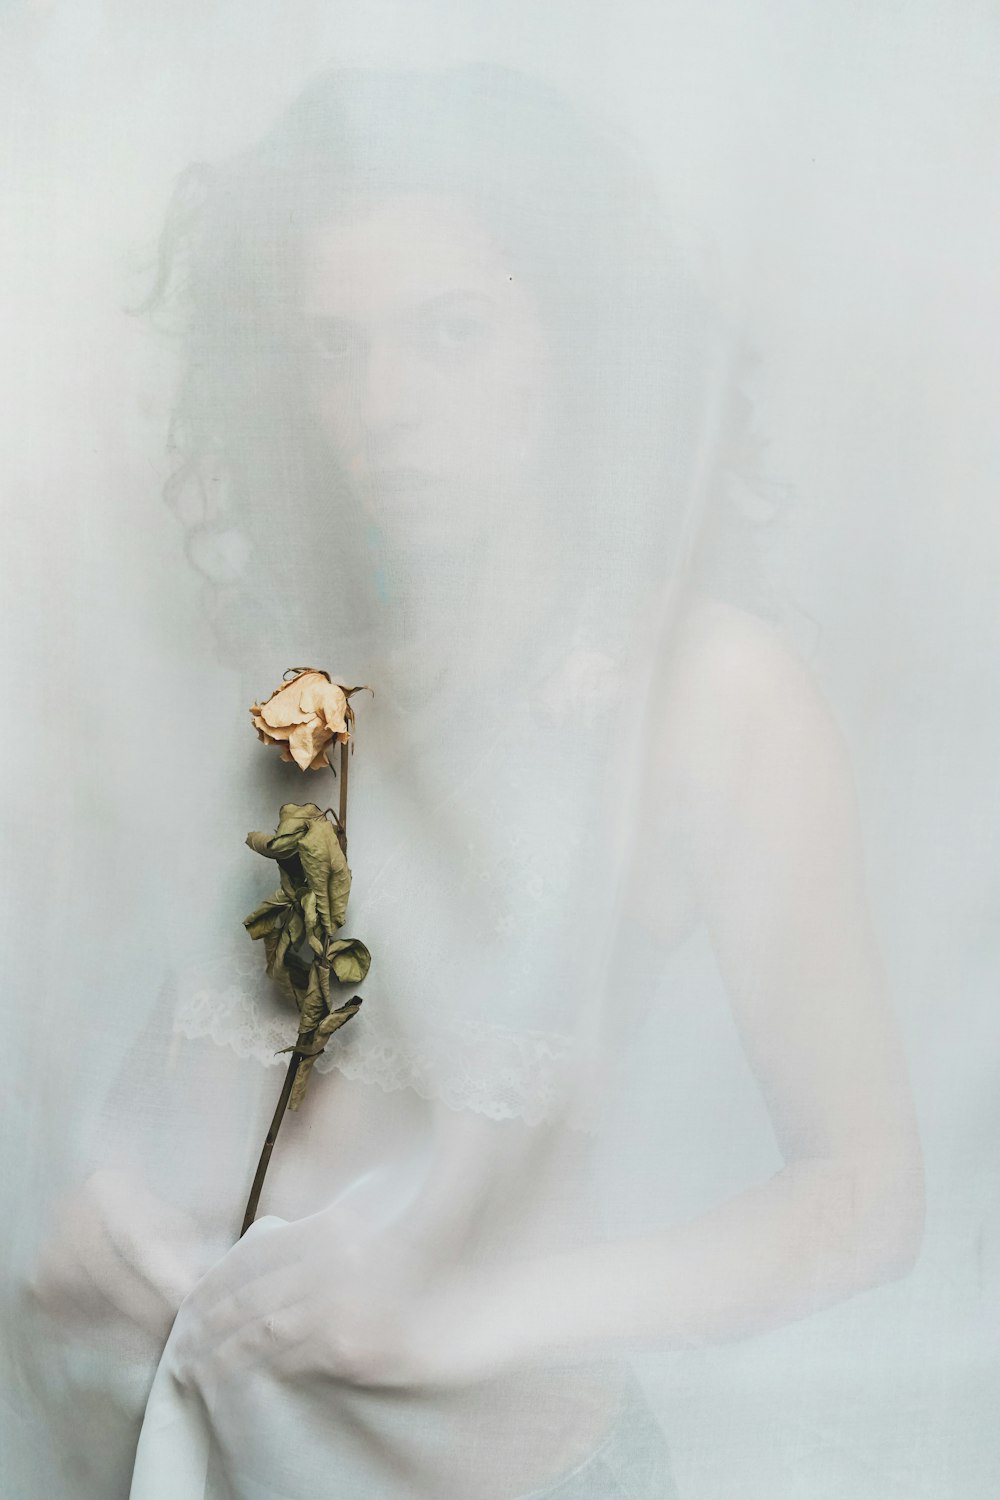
pixel 447 1015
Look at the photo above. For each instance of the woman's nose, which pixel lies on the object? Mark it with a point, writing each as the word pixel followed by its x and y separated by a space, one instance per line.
pixel 389 397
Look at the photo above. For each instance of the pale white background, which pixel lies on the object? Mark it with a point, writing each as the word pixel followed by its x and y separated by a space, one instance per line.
pixel 831 175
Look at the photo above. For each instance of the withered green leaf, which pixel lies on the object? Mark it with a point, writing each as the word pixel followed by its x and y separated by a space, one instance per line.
pixel 297 924
pixel 326 871
pixel 349 959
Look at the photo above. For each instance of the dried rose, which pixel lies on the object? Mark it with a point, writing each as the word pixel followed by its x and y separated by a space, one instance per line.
pixel 298 923
pixel 305 715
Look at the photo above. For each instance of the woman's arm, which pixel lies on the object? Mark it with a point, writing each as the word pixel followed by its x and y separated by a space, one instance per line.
pixel 115 1250
pixel 747 743
pixel 781 880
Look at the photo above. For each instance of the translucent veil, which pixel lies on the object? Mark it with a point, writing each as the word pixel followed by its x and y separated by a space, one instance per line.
pixel 601 418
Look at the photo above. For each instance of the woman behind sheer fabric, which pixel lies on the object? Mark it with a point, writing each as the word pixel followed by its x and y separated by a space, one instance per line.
pixel 454 423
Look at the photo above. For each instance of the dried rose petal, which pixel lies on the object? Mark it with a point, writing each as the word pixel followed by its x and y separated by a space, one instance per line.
pixel 304 716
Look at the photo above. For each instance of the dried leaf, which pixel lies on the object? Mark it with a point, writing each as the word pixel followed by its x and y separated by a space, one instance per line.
pixel 349 960
pixel 311 921
pixel 327 873
pixel 337 1018
pixel 309 908
pixel 268 916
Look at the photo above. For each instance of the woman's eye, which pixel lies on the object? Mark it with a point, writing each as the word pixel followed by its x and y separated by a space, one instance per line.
pixel 452 334
pixel 334 341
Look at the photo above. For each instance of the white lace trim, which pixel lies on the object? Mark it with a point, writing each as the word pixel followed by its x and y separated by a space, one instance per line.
pixel 527 866
pixel 488 1068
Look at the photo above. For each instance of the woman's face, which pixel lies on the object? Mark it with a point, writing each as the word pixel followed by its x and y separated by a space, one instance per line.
pixel 429 368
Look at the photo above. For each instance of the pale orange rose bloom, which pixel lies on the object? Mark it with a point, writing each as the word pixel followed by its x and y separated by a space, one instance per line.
pixel 304 716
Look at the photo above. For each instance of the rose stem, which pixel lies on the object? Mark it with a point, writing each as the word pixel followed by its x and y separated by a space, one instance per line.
pixel 295 1060
pixel 343 797
pixel 271 1137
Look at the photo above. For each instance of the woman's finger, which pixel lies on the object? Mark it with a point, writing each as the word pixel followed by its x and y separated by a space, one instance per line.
pixel 245 1281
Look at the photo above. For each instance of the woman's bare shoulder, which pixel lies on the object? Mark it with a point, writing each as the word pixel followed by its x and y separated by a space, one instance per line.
pixel 726 656
pixel 734 694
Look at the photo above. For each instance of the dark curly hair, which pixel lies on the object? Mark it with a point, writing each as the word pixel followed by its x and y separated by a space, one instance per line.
pixel 563 196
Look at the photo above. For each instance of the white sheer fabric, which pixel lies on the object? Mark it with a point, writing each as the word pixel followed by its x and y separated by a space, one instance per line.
pixel 609 390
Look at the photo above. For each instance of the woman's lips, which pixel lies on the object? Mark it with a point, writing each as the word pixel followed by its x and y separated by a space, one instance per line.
pixel 411 503
pixel 401 481
pixel 406 492
pixel 371 476
pixel 401 476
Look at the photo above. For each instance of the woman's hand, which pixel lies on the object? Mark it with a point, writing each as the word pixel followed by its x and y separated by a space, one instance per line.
pixel 115 1253
pixel 326 1297
pixel 320 1297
